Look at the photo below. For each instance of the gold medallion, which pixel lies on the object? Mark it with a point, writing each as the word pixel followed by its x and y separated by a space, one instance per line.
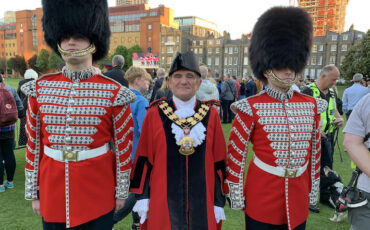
pixel 186 146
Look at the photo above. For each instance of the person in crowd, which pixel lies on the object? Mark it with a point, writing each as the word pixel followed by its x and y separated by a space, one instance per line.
pixel 330 120
pixel 242 90
pixel 282 125
pixel 357 143
pixel 29 75
pixel 7 127
pixel 210 78
pixel 158 82
pixel 353 94
pixel 250 87
pixel 180 160
pixel 138 82
pixel 164 91
pixel 228 96
pixel 116 72
pixel 237 85
pixel 73 178
pixel 207 90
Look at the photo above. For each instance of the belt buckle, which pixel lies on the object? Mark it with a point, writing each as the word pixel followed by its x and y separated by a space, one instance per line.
pixel 70 155
pixel 291 173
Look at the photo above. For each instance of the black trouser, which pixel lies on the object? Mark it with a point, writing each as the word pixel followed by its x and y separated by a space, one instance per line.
pixel 102 223
pixel 251 224
pixel 327 152
pixel 7 156
pixel 227 114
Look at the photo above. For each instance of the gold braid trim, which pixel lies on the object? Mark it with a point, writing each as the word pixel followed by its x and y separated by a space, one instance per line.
pixel 184 122
pixel 283 83
pixel 78 53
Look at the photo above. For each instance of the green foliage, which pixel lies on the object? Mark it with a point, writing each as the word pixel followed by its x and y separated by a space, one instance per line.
pixel 54 60
pixel 32 62
pixel 357 59
pixel 18 64
pixel 2 65
pixel 126 53
pixel 42 60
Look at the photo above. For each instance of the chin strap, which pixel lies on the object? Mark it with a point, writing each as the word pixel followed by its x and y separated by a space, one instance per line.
pixel 78 53
pixel 280 82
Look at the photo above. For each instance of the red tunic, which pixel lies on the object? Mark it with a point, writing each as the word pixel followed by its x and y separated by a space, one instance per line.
pixel 284 131
pixel 182 189
pixel 80 115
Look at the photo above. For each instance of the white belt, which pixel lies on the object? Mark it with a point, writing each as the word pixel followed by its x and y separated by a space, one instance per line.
pixel 75 155
pixel 279 171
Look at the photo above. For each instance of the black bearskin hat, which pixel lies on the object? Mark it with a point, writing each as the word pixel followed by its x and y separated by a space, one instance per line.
pixel 186 60
pixel 88 18
pixel 281 38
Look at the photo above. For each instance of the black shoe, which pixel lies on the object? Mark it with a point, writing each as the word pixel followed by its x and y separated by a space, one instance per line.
pixel 135 226
pixel 314 208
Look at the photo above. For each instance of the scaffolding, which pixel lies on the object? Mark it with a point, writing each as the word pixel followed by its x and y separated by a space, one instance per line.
pixel 326 14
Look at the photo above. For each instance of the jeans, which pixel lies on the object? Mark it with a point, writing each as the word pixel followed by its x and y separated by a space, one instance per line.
pixel 127 208
pixel 7 156
pixel 359 218
pixel 327 152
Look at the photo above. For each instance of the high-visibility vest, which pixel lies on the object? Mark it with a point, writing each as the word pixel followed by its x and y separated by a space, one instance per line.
pixel 327 117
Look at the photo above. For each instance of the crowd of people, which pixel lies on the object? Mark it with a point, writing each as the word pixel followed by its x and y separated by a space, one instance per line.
pixel 102 145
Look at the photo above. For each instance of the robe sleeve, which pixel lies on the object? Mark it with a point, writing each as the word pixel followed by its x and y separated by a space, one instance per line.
pixel 123 135
pixel 241 130
pixel 219 151
pixel 33 150
pixel 140 175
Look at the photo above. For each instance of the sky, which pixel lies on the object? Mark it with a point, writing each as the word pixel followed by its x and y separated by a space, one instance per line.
pixel 236 17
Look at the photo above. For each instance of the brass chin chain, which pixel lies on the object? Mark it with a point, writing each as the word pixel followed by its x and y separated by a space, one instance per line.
pixel 78 53
pixel 279 81
pixel 186 124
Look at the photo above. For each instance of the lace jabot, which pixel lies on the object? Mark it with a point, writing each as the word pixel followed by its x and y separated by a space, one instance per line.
pixel 78 75
pixel 278 94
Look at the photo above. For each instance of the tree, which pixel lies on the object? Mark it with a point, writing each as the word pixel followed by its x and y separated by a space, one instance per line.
pixel 2 65
pixel 32 62
pixel 42 60
pixel 126 53
pixel 54 60
pixel 357 59
pixel 18 64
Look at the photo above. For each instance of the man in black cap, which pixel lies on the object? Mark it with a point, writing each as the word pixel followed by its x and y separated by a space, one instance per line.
pixel 72 176
pixel 283 126
pixel 180 158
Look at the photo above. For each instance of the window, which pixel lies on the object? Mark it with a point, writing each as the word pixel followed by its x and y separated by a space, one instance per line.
pixel 319 60
pixel 318 74
pixel 320 48
pixel 177 38
pixel 149 39
pixel 149 26
pixel 201 43
pixel 333 48
pixel 245 61
pixel 194 43
pixel 230 60
pixel 209 50
pixel 236 49
pixel 217 50
pixel 334 37
pixel 313 60
pixel 235 72
pixel 245 50
pixel 169 49
pixel 345 37
pixel 210 42
pixel 226 50
pixel 169 60
pixel 217 61
pixel 230 50
pixel 235 60
pixel 314 48
pixel 163 38
pixel 225 71
pixel 359 36
pixel 344 47
pixel 225 61
pixel 332 60
pixel 341 59
pixel 162 60
pixel 312 73
pixel 170 39
pixel 218 42
pixel 201 50
pixel 200 31
pixel 196 50
pixel 162 49
pixel 200 60
pixel 209 61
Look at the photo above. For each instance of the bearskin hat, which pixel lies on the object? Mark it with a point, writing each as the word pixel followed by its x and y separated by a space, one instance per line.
pixel 281 38
pixel 187 61
pixel 89 18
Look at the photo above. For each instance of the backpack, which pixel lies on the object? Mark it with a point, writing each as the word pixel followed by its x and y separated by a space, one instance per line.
pixel 8 107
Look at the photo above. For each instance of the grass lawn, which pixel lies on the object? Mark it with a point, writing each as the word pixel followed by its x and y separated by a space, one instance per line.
pixel 16 212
